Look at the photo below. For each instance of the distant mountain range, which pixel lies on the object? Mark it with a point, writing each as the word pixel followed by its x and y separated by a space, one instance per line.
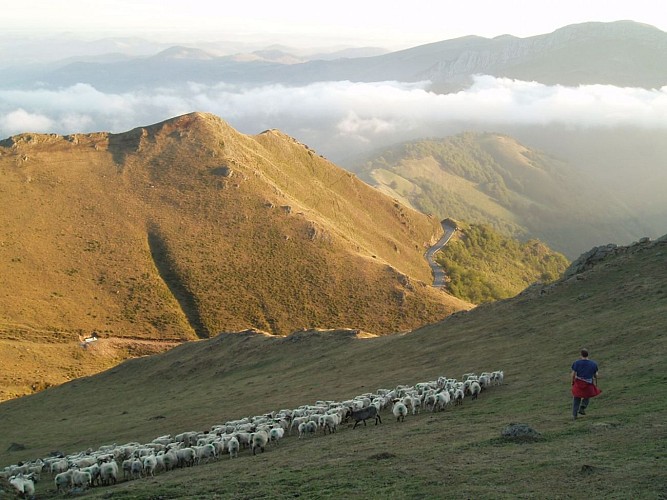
pixel 622 53
pixel 623 163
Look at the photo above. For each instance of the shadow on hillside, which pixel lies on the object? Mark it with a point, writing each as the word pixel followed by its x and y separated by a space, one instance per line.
pixel 120 145
pixel 186 300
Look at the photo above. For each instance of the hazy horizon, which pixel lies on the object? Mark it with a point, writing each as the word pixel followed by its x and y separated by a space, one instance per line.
pixel 393 25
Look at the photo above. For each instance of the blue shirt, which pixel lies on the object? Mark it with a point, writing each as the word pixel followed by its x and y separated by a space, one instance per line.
pixel 585 369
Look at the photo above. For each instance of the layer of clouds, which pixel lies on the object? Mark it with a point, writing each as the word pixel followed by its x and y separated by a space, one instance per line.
pixel 337 117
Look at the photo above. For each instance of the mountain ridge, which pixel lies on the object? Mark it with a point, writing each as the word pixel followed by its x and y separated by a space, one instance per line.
pixel 187 228
pixel 494 179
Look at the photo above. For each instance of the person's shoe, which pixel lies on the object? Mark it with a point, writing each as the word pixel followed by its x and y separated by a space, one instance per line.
pixel 582 412
pixel 574 417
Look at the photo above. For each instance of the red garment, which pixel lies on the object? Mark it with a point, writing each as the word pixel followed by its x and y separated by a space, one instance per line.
pixel 582 389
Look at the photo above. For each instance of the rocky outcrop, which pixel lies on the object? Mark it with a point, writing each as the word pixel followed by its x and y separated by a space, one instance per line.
pixel 598 254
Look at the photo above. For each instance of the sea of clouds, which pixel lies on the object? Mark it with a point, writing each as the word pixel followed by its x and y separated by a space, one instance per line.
pixel 340 117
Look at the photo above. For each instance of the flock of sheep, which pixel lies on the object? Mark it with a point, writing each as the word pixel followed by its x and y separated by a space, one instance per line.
pixel 111 463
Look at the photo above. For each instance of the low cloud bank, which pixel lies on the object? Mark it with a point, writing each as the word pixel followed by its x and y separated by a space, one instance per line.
pixel 336 117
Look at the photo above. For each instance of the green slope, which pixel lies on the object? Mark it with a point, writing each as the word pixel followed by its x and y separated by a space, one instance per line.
pixel 616 307
pixel 492 179
pixel 482 266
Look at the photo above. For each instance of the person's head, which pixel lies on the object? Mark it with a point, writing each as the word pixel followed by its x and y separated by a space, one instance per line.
pixel 584 353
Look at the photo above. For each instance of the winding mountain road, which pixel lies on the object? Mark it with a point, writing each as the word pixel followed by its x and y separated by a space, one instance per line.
pixel 449 229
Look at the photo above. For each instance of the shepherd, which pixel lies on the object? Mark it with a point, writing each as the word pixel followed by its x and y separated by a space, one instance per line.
pixel 584 383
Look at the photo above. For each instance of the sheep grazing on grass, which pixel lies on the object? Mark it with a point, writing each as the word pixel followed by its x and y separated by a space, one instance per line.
pixel 233 447
pixel 365 414
pixel 190 448
pixel 400 411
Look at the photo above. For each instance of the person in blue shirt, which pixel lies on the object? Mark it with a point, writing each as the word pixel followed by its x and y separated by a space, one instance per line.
pixel 584 383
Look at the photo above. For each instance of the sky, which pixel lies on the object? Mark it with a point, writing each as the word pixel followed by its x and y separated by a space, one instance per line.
pixel 387 23
pixel 331 117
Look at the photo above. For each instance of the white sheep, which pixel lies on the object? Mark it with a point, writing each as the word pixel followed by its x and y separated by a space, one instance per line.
pixel 94 473
pixel 497 377
pixel 296 422
pixel 244 439
pixel 400 411
pixel 474 389
pixel 416 403
pixel 220 445
pixel 233 447
pixel 81 479
pixel 136 468
pixel 126 465
pixel 329 421
pixel 149 465
pixel 58 466
pixel 458 396
pixel 259 440
pixel 109 472
pixel 485 380
pixel 24 485
pixel 80 463
pixel 307 428
pixel 442 399
pixel 63 480
pixel 170 459
pixel 276 434
pixel 205 452
pixel 429 400
pixel 186 457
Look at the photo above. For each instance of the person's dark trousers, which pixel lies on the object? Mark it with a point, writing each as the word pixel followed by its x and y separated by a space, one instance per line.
pixel 579 405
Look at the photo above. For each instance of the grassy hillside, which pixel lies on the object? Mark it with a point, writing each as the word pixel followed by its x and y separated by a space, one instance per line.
pixel 187 228
pixel 617 308
pixel 481 265
pixel 492 179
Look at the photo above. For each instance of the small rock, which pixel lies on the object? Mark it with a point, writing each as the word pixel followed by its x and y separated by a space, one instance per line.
pixel 520 433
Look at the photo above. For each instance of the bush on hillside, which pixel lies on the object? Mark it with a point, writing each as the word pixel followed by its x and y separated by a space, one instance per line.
pixel 483 266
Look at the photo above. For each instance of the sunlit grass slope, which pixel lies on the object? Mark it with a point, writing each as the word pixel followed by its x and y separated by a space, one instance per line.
pixel 187 228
